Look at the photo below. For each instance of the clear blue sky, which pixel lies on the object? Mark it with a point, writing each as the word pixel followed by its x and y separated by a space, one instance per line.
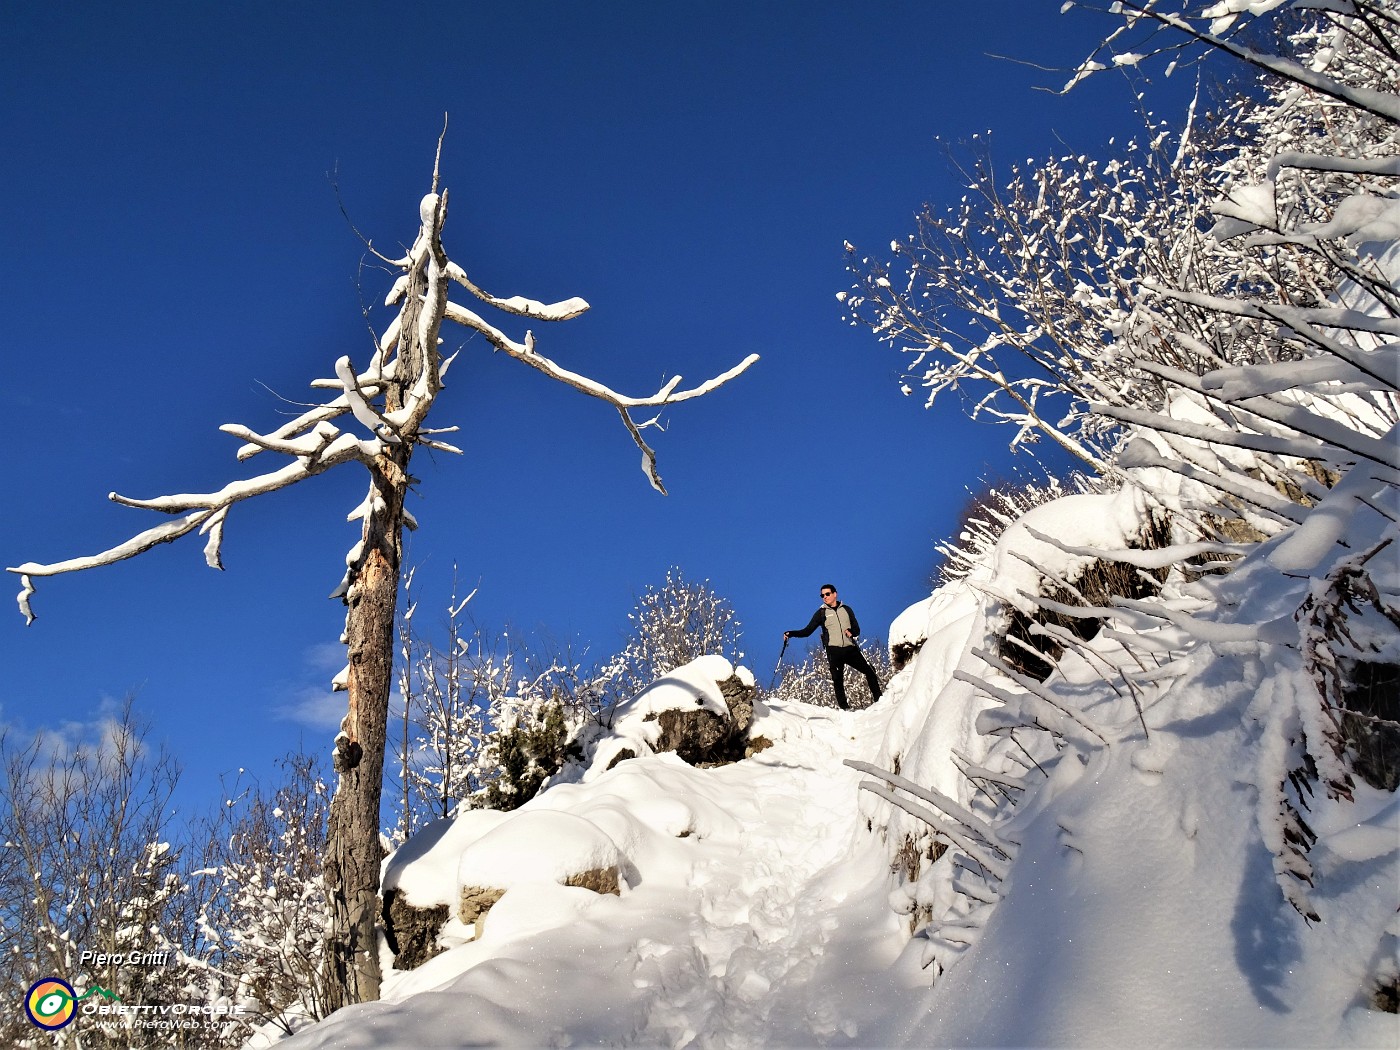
pixel 174 252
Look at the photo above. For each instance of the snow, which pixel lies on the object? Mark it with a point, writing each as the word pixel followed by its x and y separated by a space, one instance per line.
pixel 424 869
pixel 750 915
pixel 1102 521
pixel 541 846
pixel 1133 897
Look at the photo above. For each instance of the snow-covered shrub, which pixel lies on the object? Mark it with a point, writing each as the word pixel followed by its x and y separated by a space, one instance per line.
pixel 1209 733
pixel 266 922
pixel 672 624
pixel 524 755
pixel 90 862
pixel 989 511
pixel 638 726
pixel 443 713
pixel 1023 295
pixel 485 719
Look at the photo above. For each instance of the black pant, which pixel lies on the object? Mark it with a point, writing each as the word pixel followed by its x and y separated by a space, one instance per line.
pixel 842 656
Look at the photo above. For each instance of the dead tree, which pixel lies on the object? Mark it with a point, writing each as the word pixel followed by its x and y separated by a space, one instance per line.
pixel 390 400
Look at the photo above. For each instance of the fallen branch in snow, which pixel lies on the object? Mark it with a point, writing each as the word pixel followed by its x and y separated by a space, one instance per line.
pixel 961 814
pixel 982 854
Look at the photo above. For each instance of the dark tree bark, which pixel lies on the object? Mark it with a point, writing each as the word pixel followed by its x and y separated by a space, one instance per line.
pixel 354 852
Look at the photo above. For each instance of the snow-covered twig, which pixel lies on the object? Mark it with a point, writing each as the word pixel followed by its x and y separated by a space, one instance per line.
pixel 1383 104
pixel 995 865
pixel 961 814
pixel 1034 688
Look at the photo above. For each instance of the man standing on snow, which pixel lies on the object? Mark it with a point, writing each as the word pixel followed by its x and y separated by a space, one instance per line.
pixel 839 630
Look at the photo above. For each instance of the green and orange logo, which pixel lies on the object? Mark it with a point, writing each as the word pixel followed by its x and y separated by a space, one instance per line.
pixel 51 1004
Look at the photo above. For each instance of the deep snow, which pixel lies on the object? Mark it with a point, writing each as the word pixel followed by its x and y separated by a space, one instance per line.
pixel 755 911
pixel 762 905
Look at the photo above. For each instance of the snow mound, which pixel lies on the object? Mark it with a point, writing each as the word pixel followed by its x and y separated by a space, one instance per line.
pixel 536 846
pixel 635 725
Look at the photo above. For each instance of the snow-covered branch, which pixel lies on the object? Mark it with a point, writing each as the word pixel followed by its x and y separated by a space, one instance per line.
pixel 210 510
pixel 1383 104
pixel 526 353
pixel 518 305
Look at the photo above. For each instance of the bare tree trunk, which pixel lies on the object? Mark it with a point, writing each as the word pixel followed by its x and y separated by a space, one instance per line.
pixel 353 849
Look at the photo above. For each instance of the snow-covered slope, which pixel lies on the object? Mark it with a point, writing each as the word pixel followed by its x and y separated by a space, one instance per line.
pixel 1120 881
pixel 1175 823
pixel 754 910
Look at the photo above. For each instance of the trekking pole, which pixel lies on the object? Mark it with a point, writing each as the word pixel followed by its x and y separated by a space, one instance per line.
pixel 774 680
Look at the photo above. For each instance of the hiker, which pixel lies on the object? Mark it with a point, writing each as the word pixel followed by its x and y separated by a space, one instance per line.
pixel 839 630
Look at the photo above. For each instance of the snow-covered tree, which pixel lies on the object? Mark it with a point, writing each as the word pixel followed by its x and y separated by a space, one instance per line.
pixel 672 624
pixel 92 863
pixel 485 719
pixel 375 416
pixel 1009 296
pixel 444 717
pixel 264 919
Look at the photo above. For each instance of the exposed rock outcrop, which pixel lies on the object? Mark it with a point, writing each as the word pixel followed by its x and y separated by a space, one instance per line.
pixel 701 737
pixel 475 902
pixel 412 932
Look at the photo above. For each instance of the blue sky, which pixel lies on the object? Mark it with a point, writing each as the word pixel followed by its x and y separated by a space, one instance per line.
pixel 175 257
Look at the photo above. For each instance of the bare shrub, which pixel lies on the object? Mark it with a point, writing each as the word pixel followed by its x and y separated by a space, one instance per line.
pixel 267 917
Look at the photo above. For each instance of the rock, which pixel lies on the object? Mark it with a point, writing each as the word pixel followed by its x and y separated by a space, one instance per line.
pixel 475 902
pixel 412 932
pixel 703 738
pixel 1370 720
pixel 902 652
pixel 599 880
pixel 622 756
pixel 757 744
pixel 738 697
